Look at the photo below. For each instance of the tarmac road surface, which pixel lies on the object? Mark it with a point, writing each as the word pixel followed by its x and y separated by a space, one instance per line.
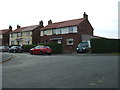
pixel 61 71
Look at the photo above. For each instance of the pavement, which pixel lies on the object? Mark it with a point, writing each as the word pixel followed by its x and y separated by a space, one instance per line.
pixel 5 57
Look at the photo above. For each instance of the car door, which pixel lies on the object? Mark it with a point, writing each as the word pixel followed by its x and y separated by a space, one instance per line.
pixel 47 49
pixel 36 51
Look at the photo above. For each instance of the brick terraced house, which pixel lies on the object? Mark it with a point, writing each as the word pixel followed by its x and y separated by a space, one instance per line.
pixel 25 35
pixel 68 33
pixel 4 36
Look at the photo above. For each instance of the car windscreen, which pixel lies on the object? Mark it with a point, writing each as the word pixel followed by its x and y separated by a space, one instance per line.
pixel 15 47
pixel 83 44
pixel 2 47
pixel 39 47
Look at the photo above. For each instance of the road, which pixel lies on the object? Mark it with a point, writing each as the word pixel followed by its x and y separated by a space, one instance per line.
pixel 60 71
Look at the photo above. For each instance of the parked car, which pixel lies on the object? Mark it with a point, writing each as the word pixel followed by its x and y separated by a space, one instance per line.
pixel 84 47
pixel 4 48
pixel 41 50
pixel 15 49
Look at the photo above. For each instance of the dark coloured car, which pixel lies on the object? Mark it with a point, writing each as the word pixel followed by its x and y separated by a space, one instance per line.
pixel 41 50
pixel 4 48
pixel 15 49
pixel 83 47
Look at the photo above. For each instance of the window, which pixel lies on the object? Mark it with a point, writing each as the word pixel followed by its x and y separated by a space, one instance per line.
pixel 1 36
pixel 59 42
pixel 58 31
pixel 49 32
pixel 12 42
pixel 73 29
pixel 19 34
pixel 64 30
pixel 42 33
pixel 45 32
pixel 27 33
pixel 54 31
pixel 27 42
pixel 46 41
pixel 12 35
pixel 70 29
pixel 70 41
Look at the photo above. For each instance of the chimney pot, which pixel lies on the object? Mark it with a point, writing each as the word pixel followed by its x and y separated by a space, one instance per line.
pixel 49 22
pixel 10 27
pixel 41 23
pixel 18 26
pixel 85 15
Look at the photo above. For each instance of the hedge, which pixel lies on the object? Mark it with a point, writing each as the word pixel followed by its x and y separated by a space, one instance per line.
pixel 105 45
pixel 57 48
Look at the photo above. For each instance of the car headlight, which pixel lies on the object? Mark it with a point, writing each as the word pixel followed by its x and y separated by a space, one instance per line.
pixel 84 48
pixel 77 48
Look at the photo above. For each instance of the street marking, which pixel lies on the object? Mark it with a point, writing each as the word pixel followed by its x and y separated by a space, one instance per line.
pixel 92 84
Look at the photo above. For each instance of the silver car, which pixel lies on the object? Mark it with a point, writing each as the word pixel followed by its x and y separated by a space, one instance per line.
pixel 4 48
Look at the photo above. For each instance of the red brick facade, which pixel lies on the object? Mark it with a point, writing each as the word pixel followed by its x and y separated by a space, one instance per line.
pixel 83 27
pixel 5 36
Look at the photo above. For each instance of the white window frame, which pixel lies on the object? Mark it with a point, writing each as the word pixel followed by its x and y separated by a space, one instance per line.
pixel 41 33
pixel 1 36
pixel 70 41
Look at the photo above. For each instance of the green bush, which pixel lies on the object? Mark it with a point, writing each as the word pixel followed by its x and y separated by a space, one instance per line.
pixel 26 48
pixel 105 45
pixel 57 48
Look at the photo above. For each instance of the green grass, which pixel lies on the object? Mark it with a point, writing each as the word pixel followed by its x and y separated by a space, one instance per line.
pixel 116 53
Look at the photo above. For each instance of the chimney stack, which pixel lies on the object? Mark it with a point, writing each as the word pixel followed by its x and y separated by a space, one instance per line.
pixel 10 27
pixel 41 23
pixel 85 15
pixel 49 22
pixel 18 26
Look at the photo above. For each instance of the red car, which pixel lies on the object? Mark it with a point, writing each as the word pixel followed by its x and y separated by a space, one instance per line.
pixel 41 50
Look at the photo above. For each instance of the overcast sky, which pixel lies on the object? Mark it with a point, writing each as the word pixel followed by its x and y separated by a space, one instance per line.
pixel 102 14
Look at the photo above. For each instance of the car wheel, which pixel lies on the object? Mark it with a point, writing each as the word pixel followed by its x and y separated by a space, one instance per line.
pixel 14 51
pixel 21 51
pixel 9 52
pixel 49 53
pixel 31 52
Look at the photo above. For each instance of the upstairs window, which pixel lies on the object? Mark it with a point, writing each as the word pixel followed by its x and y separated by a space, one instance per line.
pixel 64 31
pixel 73 29
pixel 58 31
pixel 45 32
pixel 19 34
pixel 49 32
pixel 70 29
pixel 12 35
pixel 28 34
pixel 54 31
pixel 41 33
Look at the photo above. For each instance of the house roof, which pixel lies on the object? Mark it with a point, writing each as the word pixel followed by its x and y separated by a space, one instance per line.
pixel 22 29
pixel 4 31
pixel 64 24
